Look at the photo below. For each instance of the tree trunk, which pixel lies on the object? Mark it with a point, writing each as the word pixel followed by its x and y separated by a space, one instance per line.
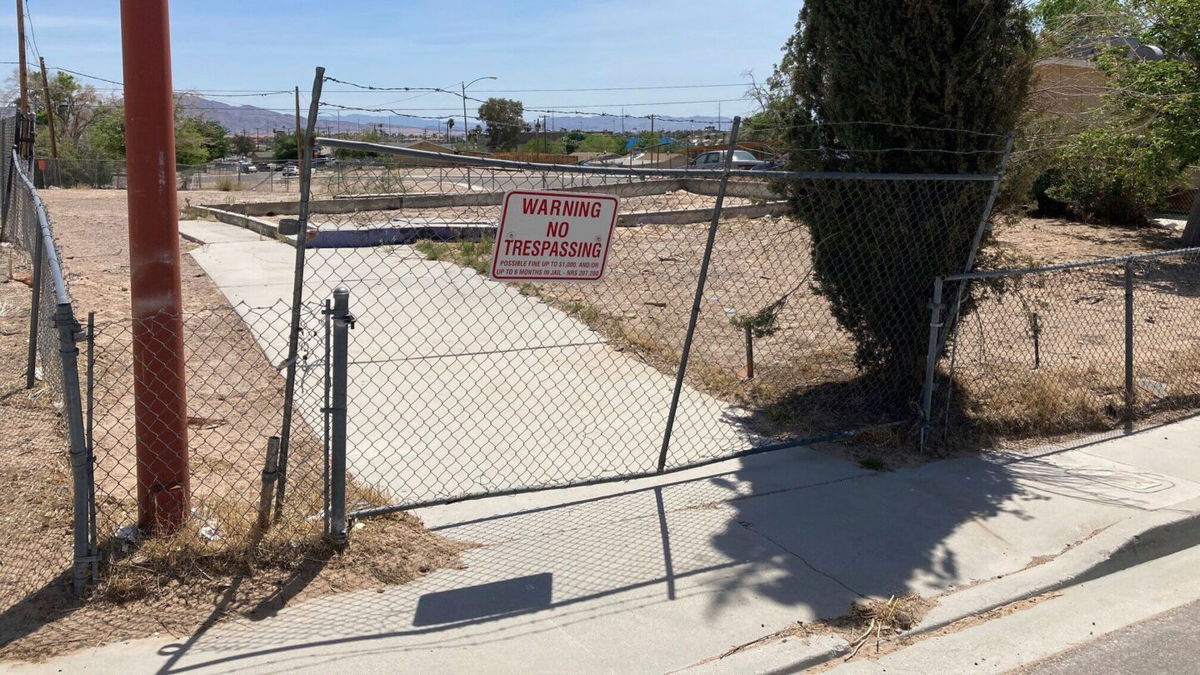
pixel 1191 231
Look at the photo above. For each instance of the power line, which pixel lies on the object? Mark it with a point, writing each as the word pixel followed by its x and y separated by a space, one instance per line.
pixel 551 108
pixel 32 34
pixel 645 88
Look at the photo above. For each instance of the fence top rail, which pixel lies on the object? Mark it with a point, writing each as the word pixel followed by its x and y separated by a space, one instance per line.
pixel 43 221
pixel 1018 271
pixel 630 171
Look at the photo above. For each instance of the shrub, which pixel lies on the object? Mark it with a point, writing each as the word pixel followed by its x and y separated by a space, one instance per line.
pixel 874 75
pixel 1112 176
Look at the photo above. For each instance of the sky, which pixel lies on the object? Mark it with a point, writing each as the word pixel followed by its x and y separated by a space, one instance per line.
pixel 219 46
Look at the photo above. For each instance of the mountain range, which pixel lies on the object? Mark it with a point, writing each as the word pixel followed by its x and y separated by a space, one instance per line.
pixel 261 121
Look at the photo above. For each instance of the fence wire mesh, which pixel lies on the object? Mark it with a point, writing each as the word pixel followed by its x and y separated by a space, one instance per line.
pixel 1046 353
pixel 81 172
pixel 233 358
pixel 464 386
pixel 35 459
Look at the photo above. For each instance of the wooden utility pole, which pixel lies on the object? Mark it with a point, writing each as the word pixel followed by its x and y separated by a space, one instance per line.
pixel 49 109
pixel 24 104
pixel 50 120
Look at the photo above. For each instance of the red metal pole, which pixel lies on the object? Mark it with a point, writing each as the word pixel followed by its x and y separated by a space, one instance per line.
pixel 160 403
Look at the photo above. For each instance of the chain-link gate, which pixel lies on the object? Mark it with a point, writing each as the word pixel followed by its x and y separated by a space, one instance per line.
pixel 711 336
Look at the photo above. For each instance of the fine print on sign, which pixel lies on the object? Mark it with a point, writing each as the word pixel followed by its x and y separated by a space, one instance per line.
pixel 553 236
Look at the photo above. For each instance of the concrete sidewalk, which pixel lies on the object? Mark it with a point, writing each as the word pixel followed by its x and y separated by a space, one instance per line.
pixel 463 385
pixel 666 574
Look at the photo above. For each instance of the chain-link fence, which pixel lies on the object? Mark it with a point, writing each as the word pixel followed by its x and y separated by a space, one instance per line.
pixel 724 325
pixel 44 461
pixel 77 172
pixel 1070 350
pixel 234 389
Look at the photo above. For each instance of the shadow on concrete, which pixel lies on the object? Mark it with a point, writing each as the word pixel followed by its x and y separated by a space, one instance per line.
pixel 806 533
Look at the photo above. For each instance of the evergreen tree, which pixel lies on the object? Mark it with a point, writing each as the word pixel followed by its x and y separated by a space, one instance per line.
pixel 874 85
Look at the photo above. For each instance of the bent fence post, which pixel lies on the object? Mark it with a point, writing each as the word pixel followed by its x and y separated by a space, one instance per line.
pixel 289 393
pixel 699 297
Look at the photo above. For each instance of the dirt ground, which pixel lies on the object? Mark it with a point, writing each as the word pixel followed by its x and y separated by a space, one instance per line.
pixel 35 484
pixel 805 380
pixel 234 398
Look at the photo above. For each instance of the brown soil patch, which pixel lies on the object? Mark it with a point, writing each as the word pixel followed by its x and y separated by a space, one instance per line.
pixel 219 566
pixel 1044 241
pixel 1012 387
pixel 35 484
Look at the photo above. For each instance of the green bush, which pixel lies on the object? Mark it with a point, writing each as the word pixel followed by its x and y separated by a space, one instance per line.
pixel 1112 176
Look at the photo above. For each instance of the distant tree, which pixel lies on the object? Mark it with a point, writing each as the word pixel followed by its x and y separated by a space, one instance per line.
pixel 870 75
pixel 242 144
pixel 189 145
pixel 505 121
pixel 371 135
pixel 607 143
pixel 211 137
pixel 572 140
pixel 283 146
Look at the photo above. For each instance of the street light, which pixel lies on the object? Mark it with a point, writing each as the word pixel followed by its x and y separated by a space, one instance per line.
pixel 464 98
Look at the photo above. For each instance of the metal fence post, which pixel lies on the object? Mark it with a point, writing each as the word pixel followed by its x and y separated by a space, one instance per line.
pixel 952 317
pixel 1130 395
pixel 68 333
pixel 269 473
pixel 931 359
pixel 342 321
pixel 699 297
pixel 6 202
pixel 325 413
pixel 289 393
pixel 89 422
pixel 35 306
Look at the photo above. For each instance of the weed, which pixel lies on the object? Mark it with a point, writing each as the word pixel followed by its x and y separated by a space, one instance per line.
pixel 474 254
pixel 228 184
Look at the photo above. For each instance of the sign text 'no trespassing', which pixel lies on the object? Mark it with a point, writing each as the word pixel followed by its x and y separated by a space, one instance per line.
pixel 553 236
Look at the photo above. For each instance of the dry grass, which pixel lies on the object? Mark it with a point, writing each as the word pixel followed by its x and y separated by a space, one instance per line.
pixel 228 184
pixel 1049 401
pixel 869 621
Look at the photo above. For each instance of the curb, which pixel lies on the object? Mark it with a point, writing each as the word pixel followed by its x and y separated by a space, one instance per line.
pixel 1123 545
pixel 251 223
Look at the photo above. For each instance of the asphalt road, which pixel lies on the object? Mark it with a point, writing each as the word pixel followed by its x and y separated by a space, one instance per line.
pixel 1167 643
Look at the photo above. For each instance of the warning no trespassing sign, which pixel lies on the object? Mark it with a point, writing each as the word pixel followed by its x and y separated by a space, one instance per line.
pixel 553 236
